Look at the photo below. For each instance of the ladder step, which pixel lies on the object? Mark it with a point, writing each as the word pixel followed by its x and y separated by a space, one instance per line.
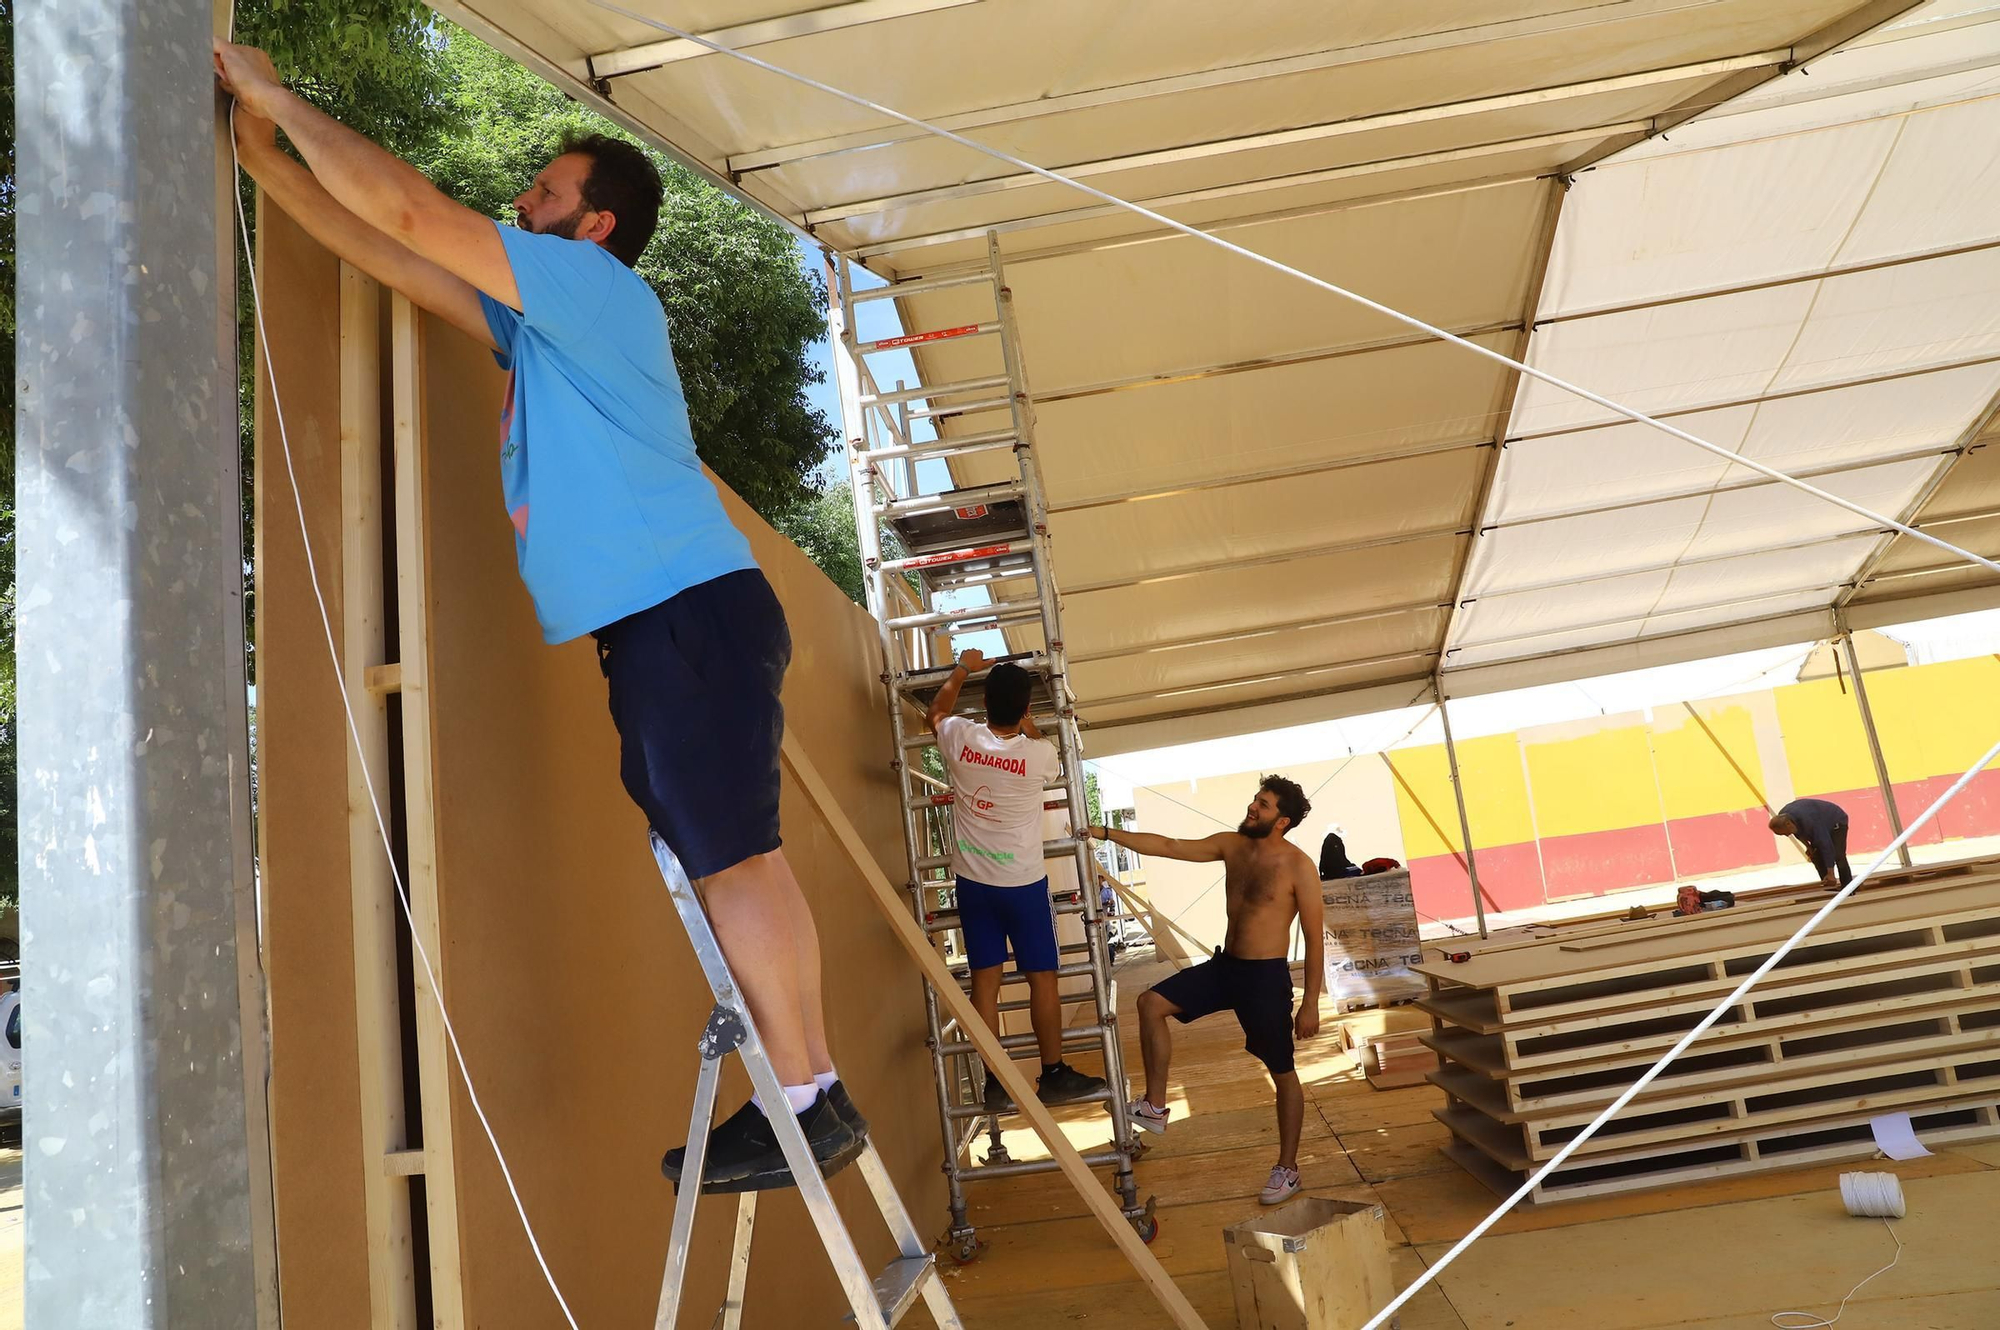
pixel 930 392
pixel 963 1111
pixel 918 339
pixel 1000 611
pixel 1051 849
pixel 988 552
pixel 898 1287
pixel 955 447
pixel 1021 1167
pixel 1024 1046
pixel 972 408
pixel 1074 970
pixel 967 504
pixel 919 286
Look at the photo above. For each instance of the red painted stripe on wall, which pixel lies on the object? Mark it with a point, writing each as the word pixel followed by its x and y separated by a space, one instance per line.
pixel 1722 842
pixel 1511 875
pixel 1594 862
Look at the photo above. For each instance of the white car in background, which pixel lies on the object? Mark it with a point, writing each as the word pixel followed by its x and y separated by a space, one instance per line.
pixel 10 1054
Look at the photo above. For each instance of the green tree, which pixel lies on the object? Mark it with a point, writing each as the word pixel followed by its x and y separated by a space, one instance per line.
pixel 743 315
pixel 823 527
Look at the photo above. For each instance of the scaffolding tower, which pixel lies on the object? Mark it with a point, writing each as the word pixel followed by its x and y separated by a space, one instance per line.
pixel 918 549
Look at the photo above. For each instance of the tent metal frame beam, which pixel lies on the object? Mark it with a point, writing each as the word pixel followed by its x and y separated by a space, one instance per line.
pixel 1888 787
pixel 1646 617
pixel 1208 567
pixel 1268 676
pixel 1566 583
pixel 1509 394
pixel 1296 472
pixel 1458 797
pixel 1968 439
pixel 1865 381
pixel 1214 148
pixel 608 65
pixel 1386 166
pixel 1276 360
pixel 887 136
pixel 1430 606
pixel 1735 486
pixel 1844 29
pixel 1154 235
pixel 1773 284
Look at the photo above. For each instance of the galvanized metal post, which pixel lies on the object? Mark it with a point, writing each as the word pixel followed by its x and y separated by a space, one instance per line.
pixel 1458 794
pixel 1882 780
pixel 141 1207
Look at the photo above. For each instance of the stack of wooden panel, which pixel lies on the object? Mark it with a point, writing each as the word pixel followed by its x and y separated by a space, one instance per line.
pixel 1893 1006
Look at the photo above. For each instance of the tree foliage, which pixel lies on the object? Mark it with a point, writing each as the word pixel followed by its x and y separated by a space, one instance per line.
pixel 743 314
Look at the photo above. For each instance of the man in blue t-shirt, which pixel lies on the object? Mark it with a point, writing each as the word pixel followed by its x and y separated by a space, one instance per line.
pixel 1820 826
pixel 617 531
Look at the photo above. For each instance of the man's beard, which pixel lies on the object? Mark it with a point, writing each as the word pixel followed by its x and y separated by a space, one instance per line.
pixel 1255 830
pixel 564 227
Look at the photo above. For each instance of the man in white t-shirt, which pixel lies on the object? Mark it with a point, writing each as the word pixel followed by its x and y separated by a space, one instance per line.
pixel 998 772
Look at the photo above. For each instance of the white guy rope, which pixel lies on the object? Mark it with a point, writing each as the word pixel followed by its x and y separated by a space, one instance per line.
pixel 1057 177
pixel 1867 1196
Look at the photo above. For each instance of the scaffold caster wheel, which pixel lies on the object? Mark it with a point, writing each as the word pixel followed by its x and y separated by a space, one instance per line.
pixel 965 1250
pixel 1146 1224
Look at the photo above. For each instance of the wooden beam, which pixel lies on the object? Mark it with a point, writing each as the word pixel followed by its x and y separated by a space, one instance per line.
pixel 413 589
pixel 381 680
pixel 896 912
pixel 378 1022
pixel 403 1164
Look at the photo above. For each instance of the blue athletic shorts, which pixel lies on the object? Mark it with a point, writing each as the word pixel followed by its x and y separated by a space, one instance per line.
pixel 695 684
pixel 995 916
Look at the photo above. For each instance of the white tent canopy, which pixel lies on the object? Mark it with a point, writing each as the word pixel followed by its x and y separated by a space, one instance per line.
pixel 1270 505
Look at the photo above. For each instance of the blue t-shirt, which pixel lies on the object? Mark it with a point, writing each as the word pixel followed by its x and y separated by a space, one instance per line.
pixel 612 512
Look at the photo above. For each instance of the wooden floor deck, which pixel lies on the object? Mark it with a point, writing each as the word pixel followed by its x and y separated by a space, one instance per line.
pixel 1719 1256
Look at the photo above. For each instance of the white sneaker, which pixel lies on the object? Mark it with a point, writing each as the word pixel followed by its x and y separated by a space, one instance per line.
pixel 1284 1184
pixel 1143 1114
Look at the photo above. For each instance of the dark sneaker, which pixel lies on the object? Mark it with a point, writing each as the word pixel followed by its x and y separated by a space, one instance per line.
pixel 836 1094
pixel 997 1099
pixel 744 1155
pixel 1066 1085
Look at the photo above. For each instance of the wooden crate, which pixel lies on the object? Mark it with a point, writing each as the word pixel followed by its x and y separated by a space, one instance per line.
pixel 1312 1264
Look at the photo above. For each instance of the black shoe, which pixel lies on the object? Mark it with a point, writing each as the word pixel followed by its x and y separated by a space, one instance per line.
pixel 836 1094
pixel 1066 1085
pixel 744 1155
pixel 997 1099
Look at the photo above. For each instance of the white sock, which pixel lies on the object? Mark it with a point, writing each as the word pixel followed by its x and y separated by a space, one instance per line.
pixel 800 1097
pixel 825 1079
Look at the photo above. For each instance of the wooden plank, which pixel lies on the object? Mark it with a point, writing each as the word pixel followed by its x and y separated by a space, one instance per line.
pixel 363 632
pixel 413 590
pixel 896 913
pixel 382 680
pixel 1725 933
pixel 403 1164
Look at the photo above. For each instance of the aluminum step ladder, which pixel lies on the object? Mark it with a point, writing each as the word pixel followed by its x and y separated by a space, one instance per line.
pixel 927 540
pixel 876 1303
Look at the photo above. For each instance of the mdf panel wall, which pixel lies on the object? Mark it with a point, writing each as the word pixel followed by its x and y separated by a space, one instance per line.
pixel 571 985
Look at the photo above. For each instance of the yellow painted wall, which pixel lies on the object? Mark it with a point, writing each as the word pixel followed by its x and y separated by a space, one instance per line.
pixel 1591 776
pixel 1496 796
pixel 1695 768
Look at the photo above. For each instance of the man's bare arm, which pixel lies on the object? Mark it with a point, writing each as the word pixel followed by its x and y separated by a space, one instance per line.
pixel 293 188
pixel 1312 922
pixel 970 662
pixel 1207 850
pixel 370 182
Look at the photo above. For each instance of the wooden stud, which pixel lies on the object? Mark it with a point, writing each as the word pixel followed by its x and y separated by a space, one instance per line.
pixel 897 914
pixel 378 1021
pixel 403 1164
pixel 413 588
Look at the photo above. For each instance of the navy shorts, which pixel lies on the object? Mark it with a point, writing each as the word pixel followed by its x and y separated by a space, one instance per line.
pixel 1259 992
pixel 695 684
pixel 994 916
